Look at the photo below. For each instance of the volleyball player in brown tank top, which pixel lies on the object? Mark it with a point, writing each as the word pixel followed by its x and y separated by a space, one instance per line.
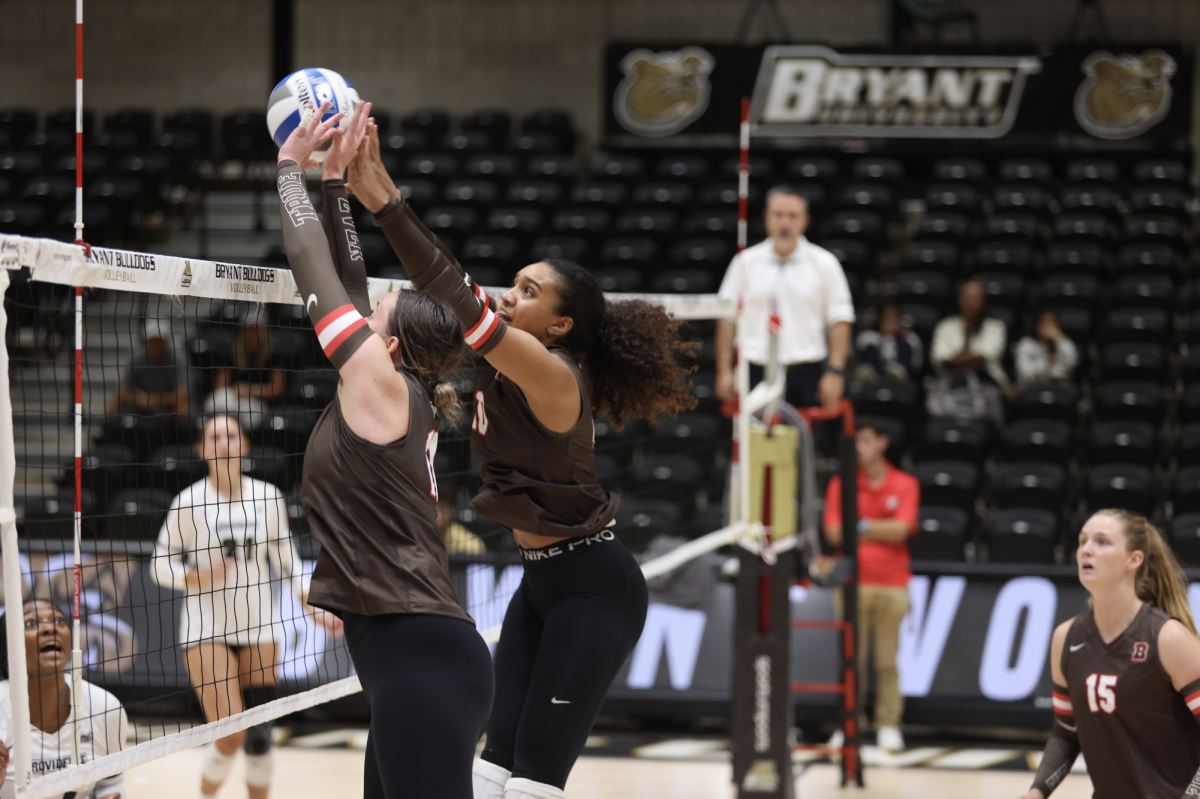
pixel 370 493
pixel 1127 670
pixel 562 355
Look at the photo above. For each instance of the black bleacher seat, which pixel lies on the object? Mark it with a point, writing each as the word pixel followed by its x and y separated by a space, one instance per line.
pixel 1048 401
pixel 535 142
pixel 1077 257
pixel 172 468
pixel 1087 227
pixel 696 435
pixel 151 170
pixel 1121 485
pixel 962 198
pixel 1091 198
pixel 1185 538
pixel 659 224
pixel 396 147
pixel 453 220
pixel 466 143
pixel 523 223
pixel 704 389
pixel 941 533
pixel 674 195
pixel 1026 197
pixel 1189 405
pixel 136 514
pixel 1021 535
pixel 553 121
pixel 1026 170
pixel 21 219
pixel 1007 256
pixel 866 226
pixel 196 120
pixel 1123 442
pixel 135 431
pixel 1185 491
pixel 970 170
pixel 96 220
pixel 670 478
pixel 541 194
pixel 619 278
pixel 950 439
pixel 952 484
pixel 182 148
pixel 1129 400
pixel 1133 361
pixel 573 248
pixel 50 145
pixel 856 257
pixel 312 388
pixel 1004 290
pixel 761 168
pixel 633 252
pixel 495 123
pixel 691 168
pixel 812 168
pixel 588 223
pixel 609 195
pixel 875 197
pixel 641 521
pixel 287 428
pixel 893 399
pixel 1071 288
pixel 106 469
pixel 1159 198
pixel 1017 226
pixel 1146 289
pixel 1152 227
pixel 624 168
pixel 244 135
pixel 712 223
pixel 923 288
pixel 561 168
pixel 138 120
pixel 683 281
pixel 53 517
pixel 489 275
pixel 1038 441
pixel 921 319
pixel 20 122
pixel 269 464
pixel 1093 170
pixel 113 145
pixel 1028 484
pixel 815 196
pixel 420 193
pixel 724 195
pixel 5 190
pixel 1160 170
pixel 49 192
pixel 1149 258
pixel 471 193
pixel 1141 324
pixel 499 252
pixel 435 167
pixel 950 226
pixel 708 254
pixel 492 166
pixel 881 168
pixel 432 122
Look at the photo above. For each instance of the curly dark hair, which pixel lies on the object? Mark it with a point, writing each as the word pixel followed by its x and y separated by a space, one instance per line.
pixel 628 350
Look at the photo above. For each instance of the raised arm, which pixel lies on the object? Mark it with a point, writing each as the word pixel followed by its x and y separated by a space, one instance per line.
pixel 336 216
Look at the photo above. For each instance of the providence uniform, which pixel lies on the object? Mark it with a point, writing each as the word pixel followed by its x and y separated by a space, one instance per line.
pixel 102 732
pixel 1137 732
pixel 203 527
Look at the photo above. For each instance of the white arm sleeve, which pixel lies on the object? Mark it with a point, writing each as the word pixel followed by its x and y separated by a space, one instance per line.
pixel 176 538
pixel 947 342
pixel 116 727
pixel 839 305
pixel 281 550
pixel 729 284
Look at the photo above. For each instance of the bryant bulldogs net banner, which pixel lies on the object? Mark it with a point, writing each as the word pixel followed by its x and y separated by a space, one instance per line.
pixel 1064 97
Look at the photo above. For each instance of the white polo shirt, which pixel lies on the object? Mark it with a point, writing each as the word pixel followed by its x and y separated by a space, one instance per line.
pixel 810 289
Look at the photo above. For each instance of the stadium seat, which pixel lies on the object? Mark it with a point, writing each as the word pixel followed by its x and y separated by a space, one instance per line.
pixel 313 388
pixel 953 484
pixel 1025 197
pixel 856 257
pixel 244 135
pixel 1093 170
pixel 1123 442
pixel 21 219
pixel 499 252
pixel 1018 226
pixel 421 194
pixel 136 514
pixel 894 399
pixel 625 168
pixel 18 168
pixel 760 167
pixel 941 533
pixel 875 197
pixel 1189 405
pixel 1150 227
pixel 573 248
pixel 182 148
pixel 1004 290
pixel 49 192
pixel 970 170
pixel 495 123
pixel 619 278
pixel 696 435
pixel 438 168
pixel 1185 538
pixel 1159 198
pixel 560 168
pixel 961 198
pixel 1085 227
pixel 1119 485
pixel 270 464
pixel 1140 324
pixel 640 521
pixel 1160 170
pixel 1149 258
pixel 724 194
pixel 1185 491
pixel 451 220
pixel 1030 485
pixel 659 224
pixel 1071 288
pixel 151 170
pixel 1050 401
pixel 466 142
pixel 20 122
pixel 97 220
pixel 433 123
pixel 669 478
pixel 866 226
pixel 950 226
pixel 1025 170
pixel 1191 367
pixel 950 439
pixel 106 468
pixel 1021 535
pixel 522 223
pixel 197 121
pixel 812 168
pixel 669 194
pixel 553 121
pixel 138 120
pixel 287 427
pixel 712 223
pixel 1092 199
pixel 873 167
pixel 478 195
pixel 491 166
pixel 1008 256
pixel 925 288
pixel 690 168
pixel 635 253
pixel 704 390
pixel 683 281
pixel 53 517
pixel 709 254
pixel 587 223
pixel 921 319
pixel 1135 401
pixel 609 195
pixel 544 195
pixel 1038 441
pixel 49 145
pixel 139 433
pixel 172 468
pixel 1077 258
pixel 1133 361
pixel 535 142
pixel 1146 290
pixel 396 147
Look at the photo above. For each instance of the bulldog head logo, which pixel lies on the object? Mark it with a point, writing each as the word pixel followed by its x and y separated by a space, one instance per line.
pixel 663 93
pixel 1124 96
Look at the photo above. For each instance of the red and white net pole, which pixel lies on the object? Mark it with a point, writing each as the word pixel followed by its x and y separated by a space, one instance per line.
pixel 76 650
pixel 740 499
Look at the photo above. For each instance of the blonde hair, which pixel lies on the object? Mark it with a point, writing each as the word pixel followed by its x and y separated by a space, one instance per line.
pixel 1160 579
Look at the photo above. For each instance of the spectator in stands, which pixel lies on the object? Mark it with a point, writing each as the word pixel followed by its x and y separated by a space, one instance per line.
pixel 255 376
pixel 156 380
pixel 888 503
pixel 891 350
pixel 805 285
pixel 1046 356
pixel 457 537
pixel 966 354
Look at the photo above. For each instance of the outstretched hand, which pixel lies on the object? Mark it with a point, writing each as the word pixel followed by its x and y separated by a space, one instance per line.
pixel 367 178
pixel 345 143
pixel 304 139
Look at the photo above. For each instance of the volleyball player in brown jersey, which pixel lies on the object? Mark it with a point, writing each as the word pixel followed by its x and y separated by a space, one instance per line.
pixel 562 355
pixel 1127 670
pixel 370 494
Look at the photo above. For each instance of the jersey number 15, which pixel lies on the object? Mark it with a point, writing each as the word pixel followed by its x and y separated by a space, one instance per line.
pixel 1101 696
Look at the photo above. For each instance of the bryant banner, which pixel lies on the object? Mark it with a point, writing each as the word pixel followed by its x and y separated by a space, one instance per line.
pixel 691 94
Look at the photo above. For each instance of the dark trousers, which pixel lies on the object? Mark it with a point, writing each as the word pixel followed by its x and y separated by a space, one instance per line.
pixel 575 618
pixel 802 380
pixel 430 684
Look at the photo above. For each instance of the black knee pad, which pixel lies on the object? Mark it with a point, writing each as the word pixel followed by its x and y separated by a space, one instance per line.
pixel 258 737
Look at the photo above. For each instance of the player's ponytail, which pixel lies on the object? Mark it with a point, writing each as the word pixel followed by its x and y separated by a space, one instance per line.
pixel 628 350
pixel 1160 579
pixel 431 348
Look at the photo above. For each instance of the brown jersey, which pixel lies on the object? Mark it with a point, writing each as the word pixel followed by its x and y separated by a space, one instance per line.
pixel 1135 729
pixel 373 507
pixel 536 480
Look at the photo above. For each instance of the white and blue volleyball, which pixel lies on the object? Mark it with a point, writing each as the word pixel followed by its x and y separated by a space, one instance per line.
pixel 290 101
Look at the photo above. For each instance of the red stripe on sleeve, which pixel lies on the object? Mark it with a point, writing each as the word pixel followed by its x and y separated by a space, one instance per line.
pixel 1063 697
pixel 345 334
pixel 488 334
pixel 332 317
pixel 1192 697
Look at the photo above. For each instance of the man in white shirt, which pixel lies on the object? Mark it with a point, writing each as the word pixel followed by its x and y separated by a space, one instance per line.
pixel 808 289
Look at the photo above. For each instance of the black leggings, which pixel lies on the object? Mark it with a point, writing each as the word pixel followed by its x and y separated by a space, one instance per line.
pixel 575 618
pixel 429 682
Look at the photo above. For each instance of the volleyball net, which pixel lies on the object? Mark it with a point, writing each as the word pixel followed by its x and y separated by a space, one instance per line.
pixel 113 362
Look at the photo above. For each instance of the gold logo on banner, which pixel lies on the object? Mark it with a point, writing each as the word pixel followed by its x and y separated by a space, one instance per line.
pixel 763 777
pixel 1124 96
pixel 186 282
pixel 663 93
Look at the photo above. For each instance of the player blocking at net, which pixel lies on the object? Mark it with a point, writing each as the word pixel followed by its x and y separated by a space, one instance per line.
pixel 371 495
pixel 1126 671
pixel 561 355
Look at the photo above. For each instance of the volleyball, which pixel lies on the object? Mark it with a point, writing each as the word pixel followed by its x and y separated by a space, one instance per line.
pixel 290 99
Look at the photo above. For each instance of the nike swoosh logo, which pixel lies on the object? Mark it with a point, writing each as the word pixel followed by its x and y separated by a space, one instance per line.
pixel 1068 726
pixel 312 300
pixel 554 701
pixel 1077 647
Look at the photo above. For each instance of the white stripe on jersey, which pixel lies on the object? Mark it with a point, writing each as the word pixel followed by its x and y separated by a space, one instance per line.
pixel 1061 705
pixel 335 327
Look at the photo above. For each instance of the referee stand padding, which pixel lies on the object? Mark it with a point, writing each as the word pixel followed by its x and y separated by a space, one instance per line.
pixel 762 735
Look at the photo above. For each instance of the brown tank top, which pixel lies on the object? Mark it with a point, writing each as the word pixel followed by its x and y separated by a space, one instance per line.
pixel 373 508
pixel 534 479
pixel 1137 735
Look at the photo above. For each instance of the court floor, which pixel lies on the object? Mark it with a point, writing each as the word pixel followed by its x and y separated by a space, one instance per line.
pixel 337 773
